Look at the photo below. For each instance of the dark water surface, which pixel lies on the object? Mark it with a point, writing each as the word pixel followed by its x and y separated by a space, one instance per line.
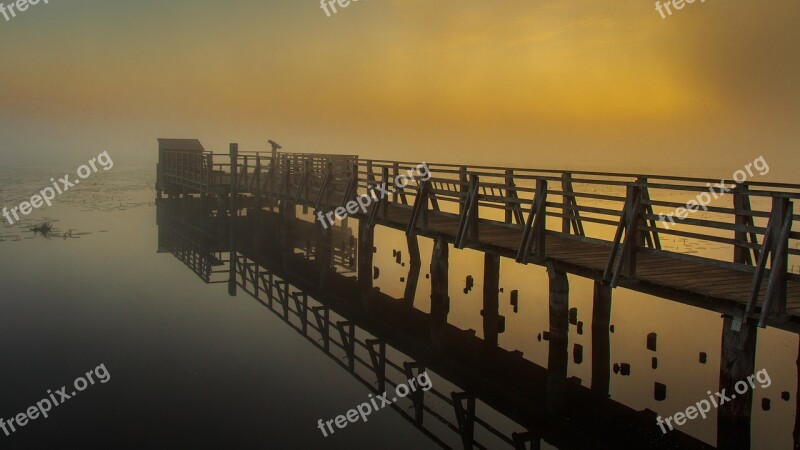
pixel 190 367
pixel 194 367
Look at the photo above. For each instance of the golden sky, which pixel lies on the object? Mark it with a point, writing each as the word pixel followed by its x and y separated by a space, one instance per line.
pixel 552 83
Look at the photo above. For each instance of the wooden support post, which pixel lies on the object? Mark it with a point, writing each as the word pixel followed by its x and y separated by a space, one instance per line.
pixel 414 266
pixel 440 298
pixel 555 397
pixel 601 343
pixel 491 299
pixel 234 152
pixel 737 362
pixel 366 241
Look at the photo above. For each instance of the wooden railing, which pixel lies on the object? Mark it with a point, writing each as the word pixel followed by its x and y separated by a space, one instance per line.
pixel 749 228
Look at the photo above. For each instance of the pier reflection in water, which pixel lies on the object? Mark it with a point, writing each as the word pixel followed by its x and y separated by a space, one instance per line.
pixel 511 364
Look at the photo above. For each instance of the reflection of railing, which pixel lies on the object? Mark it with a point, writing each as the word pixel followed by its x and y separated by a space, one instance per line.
pixel 192 252
pixel 269 290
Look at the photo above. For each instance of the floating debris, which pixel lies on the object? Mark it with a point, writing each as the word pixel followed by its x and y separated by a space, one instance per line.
pixel 43 229
pixel 651 341
pixel 660 392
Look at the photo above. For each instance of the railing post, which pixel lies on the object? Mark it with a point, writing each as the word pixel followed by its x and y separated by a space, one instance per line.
pixel 384 202
pixel 307 169
pixel 210 168
pixel 474 231
pixel 396 191
pixel 353 191
pixel 650 236
pixel 234 153
pixel 633 238
pixel 244 175
pixel 566 210
pixel 462 189
pixel 509 185
pixel 370 175
pixel 779 258
pixel 741 204
pixel 258 182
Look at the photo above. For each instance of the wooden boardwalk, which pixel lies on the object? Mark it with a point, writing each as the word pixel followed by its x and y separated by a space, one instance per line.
pixel 561 220
pixel 589 259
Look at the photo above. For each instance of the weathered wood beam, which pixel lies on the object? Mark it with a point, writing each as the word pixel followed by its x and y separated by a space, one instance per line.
pixel 737 362
pixel 557 360
pixel 491 299
pixel 601 343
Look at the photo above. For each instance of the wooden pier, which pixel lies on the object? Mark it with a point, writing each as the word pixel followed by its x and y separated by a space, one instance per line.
pixel 563 220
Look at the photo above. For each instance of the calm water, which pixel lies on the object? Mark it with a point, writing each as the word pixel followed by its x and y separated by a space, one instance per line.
pixel 194 367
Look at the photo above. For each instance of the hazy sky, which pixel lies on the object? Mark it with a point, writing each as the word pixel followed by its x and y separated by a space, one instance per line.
pixel 548 83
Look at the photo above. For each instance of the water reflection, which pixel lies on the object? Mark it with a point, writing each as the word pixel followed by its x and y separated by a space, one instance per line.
pixel 583 372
